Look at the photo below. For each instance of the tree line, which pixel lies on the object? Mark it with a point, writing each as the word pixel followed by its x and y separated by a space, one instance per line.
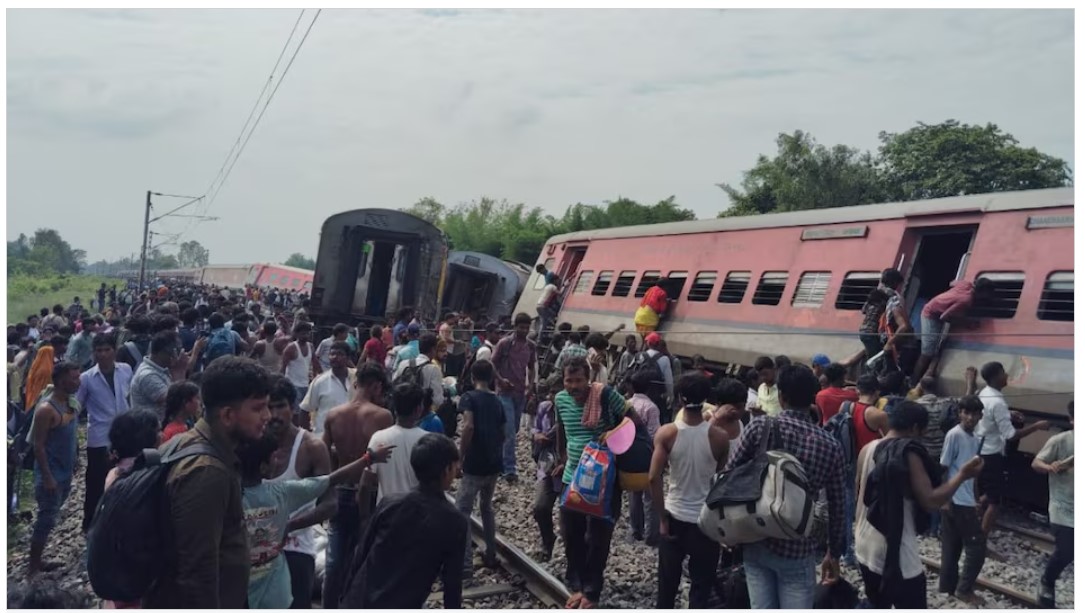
pixel 926 161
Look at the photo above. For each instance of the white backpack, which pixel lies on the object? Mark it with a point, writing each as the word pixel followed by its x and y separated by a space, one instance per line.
pixel 768 497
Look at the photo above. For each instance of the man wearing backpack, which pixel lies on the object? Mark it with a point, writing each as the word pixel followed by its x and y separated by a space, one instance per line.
pixel 207 564
pixel 424 372
pixel 53 432
pixel 222 340
pixel 656 367
pixel 780 573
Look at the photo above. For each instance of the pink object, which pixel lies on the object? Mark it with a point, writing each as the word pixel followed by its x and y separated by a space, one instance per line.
pixel 620 439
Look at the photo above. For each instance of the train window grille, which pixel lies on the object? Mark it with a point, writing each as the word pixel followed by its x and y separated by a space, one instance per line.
pixel 602 284
pixel 770 290
pixel 272 278
pixel 811 290
pixel 647 280
pixel 734 287
pixel 702 287
pixel 583 281
pixel 1057 301
pixel 295 282
pixel 624 283
pixel 677 283
pixel 540 280
pixel 855 289
pixel 1004 300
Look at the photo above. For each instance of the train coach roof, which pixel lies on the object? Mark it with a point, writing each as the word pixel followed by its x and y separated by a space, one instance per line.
pixel 1003 201
pixel 384 219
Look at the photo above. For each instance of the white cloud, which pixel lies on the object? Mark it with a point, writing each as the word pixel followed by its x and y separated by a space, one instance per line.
pixel 546 107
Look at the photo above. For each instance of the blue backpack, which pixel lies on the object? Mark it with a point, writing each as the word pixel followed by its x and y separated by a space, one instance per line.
pixel 220 343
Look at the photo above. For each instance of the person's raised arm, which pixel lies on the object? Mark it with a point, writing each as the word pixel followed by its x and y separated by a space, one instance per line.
pixel 931 498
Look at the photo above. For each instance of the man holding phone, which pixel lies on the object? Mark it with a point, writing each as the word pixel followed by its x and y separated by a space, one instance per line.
pixel 1056 459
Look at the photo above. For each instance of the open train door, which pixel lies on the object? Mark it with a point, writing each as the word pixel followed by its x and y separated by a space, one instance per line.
pixel 395 282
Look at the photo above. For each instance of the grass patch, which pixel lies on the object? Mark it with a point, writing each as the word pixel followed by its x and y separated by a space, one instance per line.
pixel 27 295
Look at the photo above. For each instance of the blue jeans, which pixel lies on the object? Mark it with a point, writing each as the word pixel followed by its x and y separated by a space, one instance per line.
pixel 513 407
pixel 344 532
pixel 49 504
pixel 776 582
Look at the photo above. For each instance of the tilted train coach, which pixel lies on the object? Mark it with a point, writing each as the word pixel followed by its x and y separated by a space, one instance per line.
pixel 794 284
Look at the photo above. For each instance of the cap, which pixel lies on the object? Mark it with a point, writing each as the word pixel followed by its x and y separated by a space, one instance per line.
pixel 413 329
pixel 821 360
pixel 653 339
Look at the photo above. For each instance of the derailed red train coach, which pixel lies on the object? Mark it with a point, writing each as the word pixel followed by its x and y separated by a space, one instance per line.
pixel 794 284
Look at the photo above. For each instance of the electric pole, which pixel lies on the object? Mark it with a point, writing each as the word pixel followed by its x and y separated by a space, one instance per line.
pixel 147 221
pixel 143 249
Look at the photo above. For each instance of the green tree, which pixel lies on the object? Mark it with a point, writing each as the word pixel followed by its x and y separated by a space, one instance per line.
pixel 44 253
pixel 429 209
pixel 298 260
pixel 191 254
pixel 805 175
pixel 157 260
pixel 953 159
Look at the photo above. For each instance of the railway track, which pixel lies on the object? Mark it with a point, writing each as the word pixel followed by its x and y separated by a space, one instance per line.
pixel 545 587
pixel 1040 541
pixel 1012 594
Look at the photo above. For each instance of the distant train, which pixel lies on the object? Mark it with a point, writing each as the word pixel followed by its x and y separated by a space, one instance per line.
pixel 794 284
pixel 237 276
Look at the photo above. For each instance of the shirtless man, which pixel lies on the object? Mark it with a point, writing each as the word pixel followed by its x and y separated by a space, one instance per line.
pixel 347 431
pixel 300 455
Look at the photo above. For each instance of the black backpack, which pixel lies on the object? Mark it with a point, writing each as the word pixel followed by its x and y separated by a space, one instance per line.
pixel 644 363
pixel 842 428
pixel 131 532
pixel 412 374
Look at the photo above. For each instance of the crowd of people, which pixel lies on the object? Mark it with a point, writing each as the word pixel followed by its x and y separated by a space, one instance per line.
pixel 365 431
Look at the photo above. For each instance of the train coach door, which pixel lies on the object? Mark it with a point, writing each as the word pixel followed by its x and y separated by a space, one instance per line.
pixel 940 257
pixel 396 273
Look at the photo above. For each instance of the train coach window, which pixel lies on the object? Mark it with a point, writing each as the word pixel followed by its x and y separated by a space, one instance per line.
pixel 702 287
pixel 272 278
pixel 624 283
pixel 583 281
pixel 647 280
pixel 855 288
pixel 1003 303
pixel 295 282
pixel 1057 301
pixel 734 287
pixel 811 290
pixel 540 280
pixel 602 284
pixel 770 289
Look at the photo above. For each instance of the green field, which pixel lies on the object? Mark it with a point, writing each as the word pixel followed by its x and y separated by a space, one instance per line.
pixel 27 295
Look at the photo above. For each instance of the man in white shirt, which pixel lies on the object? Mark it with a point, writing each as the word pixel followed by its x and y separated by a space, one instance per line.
pixel 396 476
pixel 430 376
pixel 486 351
pixel 994 431
pixel 331 388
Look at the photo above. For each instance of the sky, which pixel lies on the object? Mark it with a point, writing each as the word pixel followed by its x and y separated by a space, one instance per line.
pixel 548 108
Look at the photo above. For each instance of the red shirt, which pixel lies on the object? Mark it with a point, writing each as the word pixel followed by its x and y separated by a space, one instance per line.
pixel 374 350
pixel 863 433
pixel 950 303
pixel 172 429
pixel 830 399
pixel 655 299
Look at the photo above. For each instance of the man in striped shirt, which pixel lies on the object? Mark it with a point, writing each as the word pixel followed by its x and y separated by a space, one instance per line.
pixel 587 539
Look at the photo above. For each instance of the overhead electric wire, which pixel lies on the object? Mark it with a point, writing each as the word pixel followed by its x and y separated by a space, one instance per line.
pixel 256 103
pixel 236 148
pixel 267 103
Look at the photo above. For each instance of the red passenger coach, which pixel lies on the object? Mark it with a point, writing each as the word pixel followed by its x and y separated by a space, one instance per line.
pixel 283 277
pixel 794 283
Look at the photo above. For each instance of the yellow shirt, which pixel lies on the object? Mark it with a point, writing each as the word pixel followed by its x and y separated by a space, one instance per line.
pixel 769 399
